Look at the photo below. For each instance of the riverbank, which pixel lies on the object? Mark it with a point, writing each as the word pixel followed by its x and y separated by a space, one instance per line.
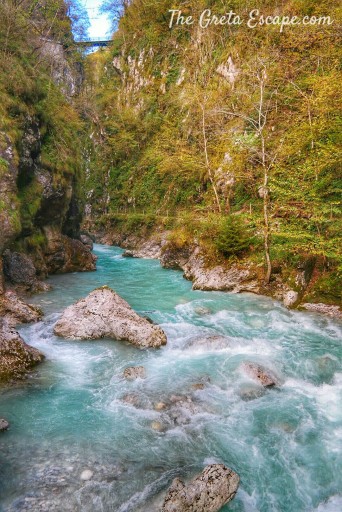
pixel 299 284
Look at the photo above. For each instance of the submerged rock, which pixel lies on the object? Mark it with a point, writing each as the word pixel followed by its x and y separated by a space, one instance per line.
pixel 251 393
pixel 135 372
pixel 260 374
pixel 208 492
pixel 104 314
pixel 4 425
pixel 181 410
pixel 198 387
pixel 210 343
pixel 202 310
pixel 16 357
pixel 131 399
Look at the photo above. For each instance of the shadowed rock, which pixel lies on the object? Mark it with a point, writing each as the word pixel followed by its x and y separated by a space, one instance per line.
pixel 208 492
pixel 87 241
pixel 128 254
pixel 19 268
pixel 104 314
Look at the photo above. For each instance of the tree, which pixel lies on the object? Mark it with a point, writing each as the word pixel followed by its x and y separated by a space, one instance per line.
pixel 115 8
pixel 232 239
pixel 256 122
pixel 79 18
pixel 206 155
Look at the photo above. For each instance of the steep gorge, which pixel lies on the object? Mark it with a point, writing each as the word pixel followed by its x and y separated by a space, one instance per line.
pixel 41 165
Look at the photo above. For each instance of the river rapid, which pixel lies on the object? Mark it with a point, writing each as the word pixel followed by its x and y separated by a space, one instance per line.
pixel 77 413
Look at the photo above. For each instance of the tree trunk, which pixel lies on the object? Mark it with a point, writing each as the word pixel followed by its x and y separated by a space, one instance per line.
pixel 207 163
pixel 266 219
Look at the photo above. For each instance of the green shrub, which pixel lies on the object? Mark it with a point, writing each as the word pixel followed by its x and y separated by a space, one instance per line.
pixel 233 238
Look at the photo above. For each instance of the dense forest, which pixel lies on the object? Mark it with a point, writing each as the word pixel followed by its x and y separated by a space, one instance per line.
pixel 224 134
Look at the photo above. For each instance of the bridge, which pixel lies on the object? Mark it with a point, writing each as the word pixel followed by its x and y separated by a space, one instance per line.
pixel 93 42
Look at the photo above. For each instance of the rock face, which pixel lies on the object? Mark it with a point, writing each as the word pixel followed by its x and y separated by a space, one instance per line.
pixel 87 241
pixel 19 268
pixel 260 374
pixel 175 258
pixel 17 311
pixel 63 254
pixel 235 279
pixel 16 357
pixel 46 225
pixel 208 492
pixel 104 314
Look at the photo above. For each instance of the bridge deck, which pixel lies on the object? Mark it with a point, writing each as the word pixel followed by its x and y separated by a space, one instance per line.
pixel 93 41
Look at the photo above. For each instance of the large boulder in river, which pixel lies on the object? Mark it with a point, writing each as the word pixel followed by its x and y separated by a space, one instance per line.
pixel 208 492
pixel 104 314
pixel 260 374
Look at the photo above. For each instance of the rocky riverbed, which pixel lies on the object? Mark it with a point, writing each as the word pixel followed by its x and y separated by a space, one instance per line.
pixel 242 382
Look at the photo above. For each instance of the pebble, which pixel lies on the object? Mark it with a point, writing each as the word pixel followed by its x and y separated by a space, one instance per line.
pixel 159 406
pixel 156 425
pixel 86 475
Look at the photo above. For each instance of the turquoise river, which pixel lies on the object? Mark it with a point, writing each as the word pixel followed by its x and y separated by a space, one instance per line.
pixel 77 413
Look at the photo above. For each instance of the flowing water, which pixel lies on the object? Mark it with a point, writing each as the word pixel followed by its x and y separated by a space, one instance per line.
pixel 77 413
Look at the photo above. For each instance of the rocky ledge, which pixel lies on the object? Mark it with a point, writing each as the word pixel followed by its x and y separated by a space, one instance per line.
pixel 14 310
pixel 104 314
pixel 208 492
pixel 333 311
pixel 16 357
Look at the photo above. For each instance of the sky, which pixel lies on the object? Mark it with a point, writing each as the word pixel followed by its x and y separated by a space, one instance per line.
pixel 99 23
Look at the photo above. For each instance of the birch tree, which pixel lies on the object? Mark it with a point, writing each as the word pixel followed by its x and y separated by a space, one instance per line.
pixel 256 122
